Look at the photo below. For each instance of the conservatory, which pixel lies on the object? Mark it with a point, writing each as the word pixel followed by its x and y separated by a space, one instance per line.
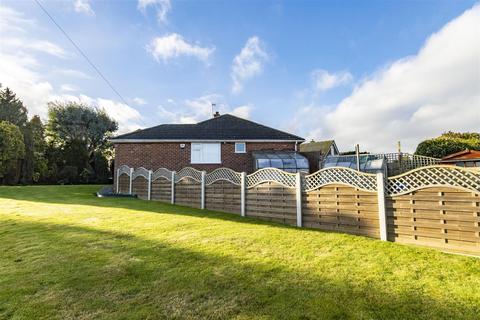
pixel 288 161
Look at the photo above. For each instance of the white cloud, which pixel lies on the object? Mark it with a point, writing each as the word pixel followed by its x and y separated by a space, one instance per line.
pixel 173 46
pixel 414 98
pixel 248 63
pixel 161 6
pixel 36 45
pixel 72 73
pixel 199 109
pixel 324 80
pixel 68 88
pixel 83 6
pixel 139 101
pixel 21 71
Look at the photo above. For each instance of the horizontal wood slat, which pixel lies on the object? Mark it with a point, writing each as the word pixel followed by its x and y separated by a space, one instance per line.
pixel 123 184
pixel 161 190
pixel 272 202
pixel 341 208
pixel 188 193
pixel 223 196
pixel 445 218
pixel 140 188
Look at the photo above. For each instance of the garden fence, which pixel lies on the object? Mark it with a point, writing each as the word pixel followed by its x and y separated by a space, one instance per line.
pixel 437 206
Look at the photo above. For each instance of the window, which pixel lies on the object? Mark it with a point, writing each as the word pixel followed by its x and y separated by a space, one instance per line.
pixel 240 147
pixel 206 153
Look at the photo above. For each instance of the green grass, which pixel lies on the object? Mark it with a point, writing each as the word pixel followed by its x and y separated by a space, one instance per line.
pixel 65 254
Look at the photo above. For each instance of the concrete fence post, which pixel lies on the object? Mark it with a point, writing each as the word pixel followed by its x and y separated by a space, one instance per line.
pixel 298 194
pixel 130 185
pixel 382 213
pixel 172 191
pixel 118 182
pixel 149 196
pixel 202 203
pixel 243 190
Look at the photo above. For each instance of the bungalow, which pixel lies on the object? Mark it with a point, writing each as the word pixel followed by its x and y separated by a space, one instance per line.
pixel 222 141
pixel 465 158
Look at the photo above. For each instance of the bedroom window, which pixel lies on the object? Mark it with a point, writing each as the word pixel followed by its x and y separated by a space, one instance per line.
pixel 206 153
pixel 240 147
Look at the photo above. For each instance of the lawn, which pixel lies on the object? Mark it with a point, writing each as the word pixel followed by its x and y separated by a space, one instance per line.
pixel 65 254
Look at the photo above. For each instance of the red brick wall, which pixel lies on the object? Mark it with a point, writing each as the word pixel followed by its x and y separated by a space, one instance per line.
pixel 169 155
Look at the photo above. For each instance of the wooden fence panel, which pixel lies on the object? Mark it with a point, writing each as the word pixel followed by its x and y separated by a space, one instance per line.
pixel 188 193
pixel 124 184
pixel 140 187
pixel 223 196
pixel 444 218
pixel 273 202
pixel 161 190
pixel 341 208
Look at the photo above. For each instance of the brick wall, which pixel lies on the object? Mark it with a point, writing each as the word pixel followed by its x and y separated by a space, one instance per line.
pixel 169 155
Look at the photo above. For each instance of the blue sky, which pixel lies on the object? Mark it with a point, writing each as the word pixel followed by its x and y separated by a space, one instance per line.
pixel 360 72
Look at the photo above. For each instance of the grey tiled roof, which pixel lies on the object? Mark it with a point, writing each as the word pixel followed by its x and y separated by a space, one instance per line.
pixel 224 127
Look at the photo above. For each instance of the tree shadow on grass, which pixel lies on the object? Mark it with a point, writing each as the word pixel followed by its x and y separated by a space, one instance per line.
pixel 63 271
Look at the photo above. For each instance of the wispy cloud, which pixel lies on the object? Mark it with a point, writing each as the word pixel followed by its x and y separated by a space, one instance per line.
pixel 324 80
pixel 162 8
pixel 139 101
pixel 173 46
pixel 72 73
pixel 414 98
pixel 83 6
pixel 248 63
pixel 200 108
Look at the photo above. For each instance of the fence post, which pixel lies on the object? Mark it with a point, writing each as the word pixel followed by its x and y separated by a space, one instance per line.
pixel 172 192
pixel 243 184
pixel 382 214
pixel 130 186
pixel 202 204
pixel 298 187
pixel 118 176
pixel 149 184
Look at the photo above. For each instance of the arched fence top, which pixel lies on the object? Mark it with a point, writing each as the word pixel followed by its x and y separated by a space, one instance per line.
pixel 140 172
pixel 189 172
pixel 434 176
pixel 341 175
pixel 224 174
pixel 271 175
pixel 162 173
pixel 124 170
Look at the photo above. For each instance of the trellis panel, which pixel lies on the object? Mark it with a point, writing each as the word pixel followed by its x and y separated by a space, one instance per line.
pixel 140 187
pixel 341 208
pixel 223 196
pixel 446 218
pixel 273 202
pixel 161 189
pixel 124 184
pixel 188 192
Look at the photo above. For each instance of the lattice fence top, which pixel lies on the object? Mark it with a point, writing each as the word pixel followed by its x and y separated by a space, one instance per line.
pixel 162 173
pixel 140 172
pixel 124 170
pixel 271 175
pixel 223 174
pixel 341 175
pixel 434 176
pixel 189 172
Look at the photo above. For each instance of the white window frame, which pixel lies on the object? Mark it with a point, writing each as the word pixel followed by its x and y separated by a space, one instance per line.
pixel 203 156
pixel 244 147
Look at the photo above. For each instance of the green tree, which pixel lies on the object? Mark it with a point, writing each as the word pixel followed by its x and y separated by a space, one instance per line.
pixel 40 165
pixel 12 150
pixel 12 108
pixel 448 143
pixel 80 132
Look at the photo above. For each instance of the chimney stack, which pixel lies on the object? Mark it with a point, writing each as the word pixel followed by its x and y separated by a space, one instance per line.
pixel 216 114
